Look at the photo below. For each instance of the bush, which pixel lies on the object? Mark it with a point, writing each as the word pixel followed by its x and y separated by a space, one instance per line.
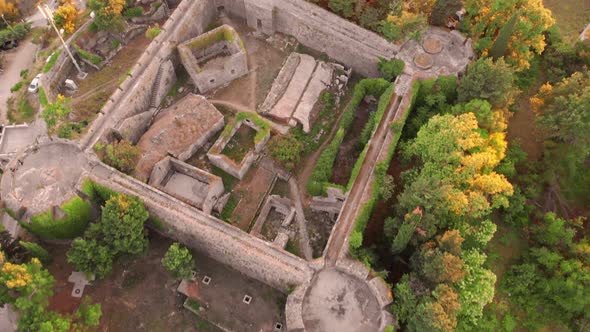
pixel 52 60
pixel 153 32
pixel 122 155
pixel 390 69
pixel 286 150
pixel 78 215
pixel 17 86
pixel 37 251
pixel 92 58
pixel 133 12
pixel 97 193
pixel 178 261
pixel 322 171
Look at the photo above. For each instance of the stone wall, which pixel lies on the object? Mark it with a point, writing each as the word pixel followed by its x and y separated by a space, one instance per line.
pixel 216 238
pixel 316 28
pixel 133 95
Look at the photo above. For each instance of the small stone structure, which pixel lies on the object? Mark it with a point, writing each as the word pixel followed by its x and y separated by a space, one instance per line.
pixel 331 204
pixel 178 131
pixel 296 90
pixel 214 58
pixel 187 183
pixel 236 169
pixel 283 206
pixel 80 282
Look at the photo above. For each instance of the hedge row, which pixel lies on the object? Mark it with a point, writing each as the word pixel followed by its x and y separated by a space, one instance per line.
pixel 322 172
pixel 78 214
pixel 356 237
pixel 93 58
pixel 368 131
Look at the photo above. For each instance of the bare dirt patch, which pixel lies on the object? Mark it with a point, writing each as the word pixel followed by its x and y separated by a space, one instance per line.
pixel 319 227
pixel 140 295
pixel 350 148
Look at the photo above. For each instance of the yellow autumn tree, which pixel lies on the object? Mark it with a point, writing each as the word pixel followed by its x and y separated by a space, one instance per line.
pixel 517 24
pixel 65 17
pixel 8 9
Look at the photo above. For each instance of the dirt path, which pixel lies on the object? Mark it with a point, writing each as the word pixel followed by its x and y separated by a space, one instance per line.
pixel 17 60
pixel 352 205
pixel 304 243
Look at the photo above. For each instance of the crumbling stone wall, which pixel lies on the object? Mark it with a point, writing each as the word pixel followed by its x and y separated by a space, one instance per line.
pixel 188 20
pixel 216 238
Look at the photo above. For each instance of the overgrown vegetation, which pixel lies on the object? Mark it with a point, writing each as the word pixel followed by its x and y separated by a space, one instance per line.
pixel 77 215
pixel 178 261
pixel 120 231
pixel 322 172
pixel 121 155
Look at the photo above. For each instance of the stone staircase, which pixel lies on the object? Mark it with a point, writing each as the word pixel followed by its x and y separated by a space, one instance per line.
pixel 155 88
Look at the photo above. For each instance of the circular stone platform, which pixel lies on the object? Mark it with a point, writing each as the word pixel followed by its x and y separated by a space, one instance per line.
pixel 42 177
pixel 432 45
pixel 336 301
pixel 423 61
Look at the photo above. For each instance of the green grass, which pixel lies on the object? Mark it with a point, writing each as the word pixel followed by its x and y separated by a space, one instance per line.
pixel 228 181
pixel 23 111
pixel 196 306
pixel 49 65
pixel 228 209
pixel 293 247
pixel 92 58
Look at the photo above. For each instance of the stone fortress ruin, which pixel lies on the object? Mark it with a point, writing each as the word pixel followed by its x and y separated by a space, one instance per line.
pixel 185 142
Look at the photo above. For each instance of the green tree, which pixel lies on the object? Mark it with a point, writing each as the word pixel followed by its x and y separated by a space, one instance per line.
pixel 486 19
pixel 88 313
pixel 91 257
pixel 443 9
pixel 342 7
pixel 405 232
pixel 56 112
pixel 500 46
pixel 178 261
pixel 122 224
pixel 488 80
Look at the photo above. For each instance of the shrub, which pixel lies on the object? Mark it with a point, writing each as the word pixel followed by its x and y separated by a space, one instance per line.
pixel 122 155
pixel 153 31
pixel 92 58
pixel 17 86
pixel 37 251
pixel 286 150
pixel 52 60
pixel 322 171
pixel 97 193
pixel 133 12
pixel 178 261
pixel 77 216
pixel 64 131
pixel 390 69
